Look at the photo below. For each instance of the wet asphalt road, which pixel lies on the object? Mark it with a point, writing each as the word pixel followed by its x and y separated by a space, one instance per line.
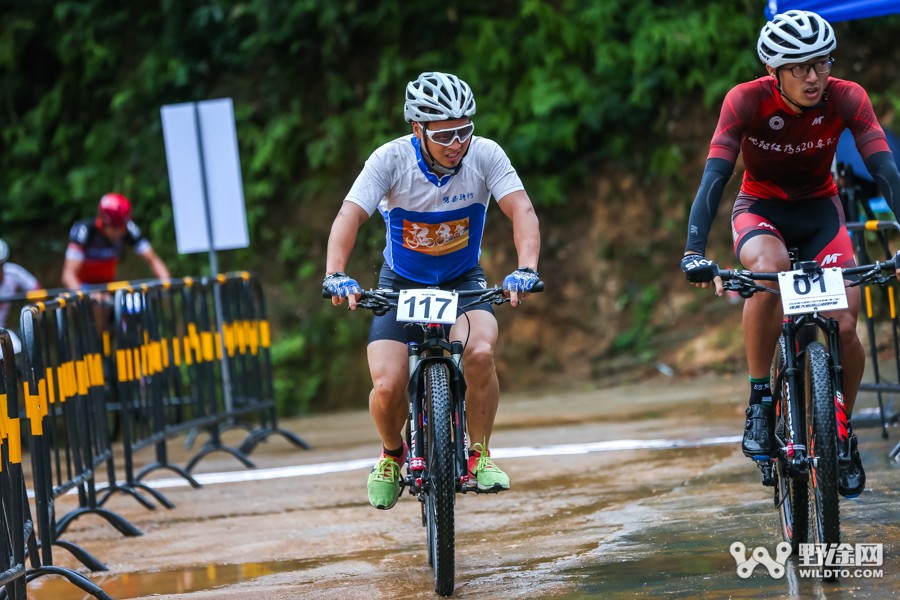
pixel 634 492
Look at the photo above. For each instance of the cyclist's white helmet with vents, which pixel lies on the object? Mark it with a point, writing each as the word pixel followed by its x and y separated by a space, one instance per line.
pixel 438 97
pixel 794 37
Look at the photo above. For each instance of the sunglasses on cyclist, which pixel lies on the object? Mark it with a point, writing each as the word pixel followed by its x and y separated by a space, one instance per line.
pixel 823 66
pixel 445 137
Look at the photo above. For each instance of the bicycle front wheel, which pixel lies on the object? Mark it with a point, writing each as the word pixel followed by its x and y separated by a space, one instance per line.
pixel 793 487
pixel 441 489
pixel 821 428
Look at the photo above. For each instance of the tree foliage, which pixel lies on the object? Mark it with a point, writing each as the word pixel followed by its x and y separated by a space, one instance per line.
pixel 566 86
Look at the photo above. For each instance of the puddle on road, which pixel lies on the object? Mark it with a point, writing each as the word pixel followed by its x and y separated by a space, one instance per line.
pixel 131 585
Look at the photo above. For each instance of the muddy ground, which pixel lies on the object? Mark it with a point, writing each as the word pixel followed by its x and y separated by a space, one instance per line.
pixel 628 492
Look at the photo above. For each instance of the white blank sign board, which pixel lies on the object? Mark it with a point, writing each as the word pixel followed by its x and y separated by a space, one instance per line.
pixel 222 169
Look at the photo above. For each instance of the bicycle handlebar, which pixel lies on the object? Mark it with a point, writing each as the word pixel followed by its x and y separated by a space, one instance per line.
pixel 377 300
pixel 745 282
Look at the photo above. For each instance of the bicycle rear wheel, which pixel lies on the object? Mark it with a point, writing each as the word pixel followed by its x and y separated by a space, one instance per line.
pixel 793 488
pixel 441 490
pixel 821 427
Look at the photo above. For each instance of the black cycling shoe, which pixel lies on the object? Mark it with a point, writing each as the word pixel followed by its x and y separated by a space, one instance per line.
pixel 852 478
pixel 757 441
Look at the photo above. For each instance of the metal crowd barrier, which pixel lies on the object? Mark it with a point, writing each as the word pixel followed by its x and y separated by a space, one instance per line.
pixel 15 518
pixel 879 303
pixel 65 410
pixel 150 368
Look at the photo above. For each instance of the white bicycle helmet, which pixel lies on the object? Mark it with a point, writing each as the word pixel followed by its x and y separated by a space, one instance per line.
pixel 4 252
pixel 438 97
pixel 794 37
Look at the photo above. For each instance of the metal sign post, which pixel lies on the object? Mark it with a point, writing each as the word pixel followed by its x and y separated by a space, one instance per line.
pixel 205 180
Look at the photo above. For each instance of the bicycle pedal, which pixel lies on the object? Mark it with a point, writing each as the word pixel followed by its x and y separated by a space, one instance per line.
pixel 767 472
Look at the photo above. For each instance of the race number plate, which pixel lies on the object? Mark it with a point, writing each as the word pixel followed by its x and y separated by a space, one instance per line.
pixel 812 292
pixel 427 306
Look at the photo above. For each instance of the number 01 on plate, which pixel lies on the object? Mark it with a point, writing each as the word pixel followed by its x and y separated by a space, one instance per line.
pixel 812 292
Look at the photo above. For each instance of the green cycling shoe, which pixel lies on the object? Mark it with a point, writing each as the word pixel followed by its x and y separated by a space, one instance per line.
pixel 384 483
pixel 489 476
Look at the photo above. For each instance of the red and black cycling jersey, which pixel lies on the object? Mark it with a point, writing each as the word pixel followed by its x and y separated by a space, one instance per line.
pixel 98 254
pixel 788 155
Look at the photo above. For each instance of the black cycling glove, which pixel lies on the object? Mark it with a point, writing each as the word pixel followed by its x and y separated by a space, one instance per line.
pixel 699 269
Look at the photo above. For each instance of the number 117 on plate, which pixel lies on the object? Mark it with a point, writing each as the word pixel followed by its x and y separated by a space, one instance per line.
pixel 427 306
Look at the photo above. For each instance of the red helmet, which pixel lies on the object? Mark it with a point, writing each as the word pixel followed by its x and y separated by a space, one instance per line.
pixel 114 210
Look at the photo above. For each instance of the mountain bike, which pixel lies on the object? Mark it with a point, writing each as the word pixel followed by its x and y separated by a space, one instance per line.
pixel 438 456
pixel 807 392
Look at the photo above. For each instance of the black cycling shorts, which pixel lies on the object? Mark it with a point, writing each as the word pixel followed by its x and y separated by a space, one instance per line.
pixel 386 326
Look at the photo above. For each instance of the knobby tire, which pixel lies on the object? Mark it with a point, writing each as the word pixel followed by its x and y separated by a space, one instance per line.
pixel 440 465
pixel 822 433
pixel 793 490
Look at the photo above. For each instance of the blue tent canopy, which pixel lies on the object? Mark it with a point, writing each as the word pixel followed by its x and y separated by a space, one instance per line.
pixel 849 155
pixel 836 10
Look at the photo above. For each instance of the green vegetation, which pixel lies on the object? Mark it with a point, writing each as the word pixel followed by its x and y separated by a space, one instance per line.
pixel 573 89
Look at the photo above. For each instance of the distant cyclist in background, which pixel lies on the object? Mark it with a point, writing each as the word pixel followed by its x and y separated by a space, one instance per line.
pixel 438 179
pixel 14 280
pixel 97 243
pixel 786 125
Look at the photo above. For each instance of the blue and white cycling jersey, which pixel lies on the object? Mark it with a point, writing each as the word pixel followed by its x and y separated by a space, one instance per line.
pixel 434 224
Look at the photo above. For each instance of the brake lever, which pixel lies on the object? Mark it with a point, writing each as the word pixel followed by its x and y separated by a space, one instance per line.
pixel 873 276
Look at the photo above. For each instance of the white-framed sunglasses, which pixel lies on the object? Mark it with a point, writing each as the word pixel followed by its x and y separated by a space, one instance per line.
pixel 445 137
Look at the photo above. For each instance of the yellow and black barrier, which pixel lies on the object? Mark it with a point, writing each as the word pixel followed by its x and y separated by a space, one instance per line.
pixel 247 344
pixel 151 367
pixel 15 518
pixel 169 356
pixel 871 241
pixel 64 420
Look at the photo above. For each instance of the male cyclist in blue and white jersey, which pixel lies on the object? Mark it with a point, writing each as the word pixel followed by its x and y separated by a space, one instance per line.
pixel 434 203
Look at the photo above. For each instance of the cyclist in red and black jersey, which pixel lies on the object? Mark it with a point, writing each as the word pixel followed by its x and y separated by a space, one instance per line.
pixel 786 125
pixel 96 244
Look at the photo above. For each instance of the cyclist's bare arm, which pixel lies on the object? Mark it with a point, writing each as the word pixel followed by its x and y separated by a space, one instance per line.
pixel 526 231
pixel 70 273
pixel 341 242
pixel 157 266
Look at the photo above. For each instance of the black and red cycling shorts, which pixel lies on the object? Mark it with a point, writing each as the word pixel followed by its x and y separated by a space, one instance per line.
pixel 816 228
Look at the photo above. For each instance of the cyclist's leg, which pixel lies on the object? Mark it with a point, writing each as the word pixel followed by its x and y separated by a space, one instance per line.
pixel 389 368
pixel 760 247
pixel 762 313
pixel 832 246
pixel 388 365
pixel 478 331
pixel 479 327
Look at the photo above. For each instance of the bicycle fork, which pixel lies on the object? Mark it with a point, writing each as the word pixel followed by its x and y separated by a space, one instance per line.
pixel 417 478
pixel 786 427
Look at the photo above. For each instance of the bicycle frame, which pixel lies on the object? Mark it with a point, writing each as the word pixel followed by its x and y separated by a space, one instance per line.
pixel 794 344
